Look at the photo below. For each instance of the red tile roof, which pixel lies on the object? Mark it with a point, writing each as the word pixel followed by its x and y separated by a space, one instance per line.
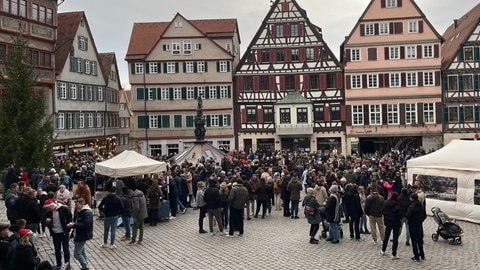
pixel 456 35
pixel 67 28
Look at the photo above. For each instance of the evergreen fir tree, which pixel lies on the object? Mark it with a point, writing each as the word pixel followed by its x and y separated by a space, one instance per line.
pixel 26 129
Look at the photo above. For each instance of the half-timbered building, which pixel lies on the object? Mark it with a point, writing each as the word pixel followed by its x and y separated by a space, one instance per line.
pixel 289 87
pixel 392 79
pixel 461 71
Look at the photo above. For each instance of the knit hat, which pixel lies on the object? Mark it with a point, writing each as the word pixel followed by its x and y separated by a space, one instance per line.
pixel 48 203
pixel 23 232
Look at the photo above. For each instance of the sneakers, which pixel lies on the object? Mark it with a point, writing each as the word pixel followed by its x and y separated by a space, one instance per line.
pixel 407 243
pixel 172 217
pixel 374 242
pixel 415 259
pixel 113 246
pixel 184 210
pixel 104 246
pixel 313 241
pixel 202 231
pixel 230 235
pixel 42 235
pixel 132 243
pixel 126 238
pixel 140 243
pixel 382 252
pixel 395 257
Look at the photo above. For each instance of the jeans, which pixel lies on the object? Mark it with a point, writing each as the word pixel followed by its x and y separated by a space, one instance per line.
pixel 60 240
pixel 363 223
pixel 295 208
pixel 138 226
pixel 407 231
pixel 218 216
pixel 109 224
pixel 263 204
pixel 396 234
pixel 79 253
pixel 334 231
pixel 126 224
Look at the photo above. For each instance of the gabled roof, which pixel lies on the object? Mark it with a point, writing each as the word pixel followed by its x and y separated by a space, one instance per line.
pixel 145 36
pixel 106 61
pixel 68 23
pixel 458 33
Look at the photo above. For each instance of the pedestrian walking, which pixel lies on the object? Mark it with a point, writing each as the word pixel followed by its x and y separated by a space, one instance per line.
pixel 82 231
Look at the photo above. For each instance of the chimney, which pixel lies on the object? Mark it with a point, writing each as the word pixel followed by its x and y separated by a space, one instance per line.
pixel 455 23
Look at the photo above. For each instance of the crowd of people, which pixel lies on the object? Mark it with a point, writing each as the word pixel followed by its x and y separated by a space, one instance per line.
pixel 370 193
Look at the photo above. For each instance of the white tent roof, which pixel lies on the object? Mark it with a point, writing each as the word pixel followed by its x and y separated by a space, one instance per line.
pixel 129 163
pixel 457 155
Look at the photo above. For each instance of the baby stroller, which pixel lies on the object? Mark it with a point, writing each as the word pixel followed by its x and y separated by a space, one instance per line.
pixel 326 225
pixel 447 228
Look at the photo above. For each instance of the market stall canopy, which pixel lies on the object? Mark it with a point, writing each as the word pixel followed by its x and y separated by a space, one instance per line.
pixel 198 150
pixel 129 163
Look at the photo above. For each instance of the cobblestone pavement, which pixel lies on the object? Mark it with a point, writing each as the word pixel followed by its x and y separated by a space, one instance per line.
pixel 274 242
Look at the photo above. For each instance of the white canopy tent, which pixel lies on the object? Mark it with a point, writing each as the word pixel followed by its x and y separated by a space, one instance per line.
pixel 129 163
pixel 451 179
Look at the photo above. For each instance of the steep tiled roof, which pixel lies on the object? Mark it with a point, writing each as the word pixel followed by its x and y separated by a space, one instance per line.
pixel 145 36
pixel 106 60
pixel 458 33
pixel 67 28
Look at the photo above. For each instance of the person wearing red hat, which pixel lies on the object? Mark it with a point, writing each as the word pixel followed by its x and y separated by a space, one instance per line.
pixel 24 257
pixel 58 216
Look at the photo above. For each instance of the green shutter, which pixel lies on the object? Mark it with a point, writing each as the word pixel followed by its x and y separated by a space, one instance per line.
pixel 159 93
pixel 218 66
pixel 229 92
pixel 142 121
pixel 477 114
pixel 184 93
pixel 154 93
pixel 218 91
pixel 445 83
pixel 475 82
pixel 184 67
pixel 206 66
pixel 159 67
pixel 189 121
pixel 208 121
pixel 176 68
pixel 164 47
pixel 461 114
pixel 460 82
pixel 147 67
pixel 132 68
pixel 476 53
pixel 445 115
pixel 229 123
pixel 140 94
pixel 177 121
pixel 165 67
pixel 170 93
pixel 460 55
pixel 220 120
pixel 195 92
pixel 195 69
pixel 207 94
pixel 165 121
pixel 228 66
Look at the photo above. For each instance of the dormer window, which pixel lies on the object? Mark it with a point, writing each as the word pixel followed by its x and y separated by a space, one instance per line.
pixel 391 3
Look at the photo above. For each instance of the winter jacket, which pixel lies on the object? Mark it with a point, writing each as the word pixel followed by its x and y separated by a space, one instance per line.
pixel 28 209
pixel 83 224
pixel 353 205
pixel 127 203
pixel 312 202
pixel 374 205
pixel 238 196
pixel 111 205
pixel 155 196
pixel 321 195
pixel 212 198
pixel 404 202
pixel 65 215
pixel 416 215
pixel 294 187
pixel 139 205
pixel 24 258
pixel 332 208
pixel 392 215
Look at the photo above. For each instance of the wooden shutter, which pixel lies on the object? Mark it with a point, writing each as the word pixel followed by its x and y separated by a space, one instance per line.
pixel 375 26
pixel 362 29
pixel 366 117
pixel 273 31
pixel 348 83
pixel 387 53
pixel 391 28
pixel 403 79
pixel 349 115
pixel 343 113
pixel 306 82
pixel 286 30
pixel 364 81
pixel 260 115
pixel 256 83
pixel 243 119
pixel 300 29
pixel 438 112
pixel 297 83
pixel 437 78
pixel 239 84
pixel 340 80
pixel 420 26
pixel 326 113
pixel 140 94
pixel 420 78
pixel 282 83
pixel 398 28
pixel 420 113
pixel 399 3
pixel 436 51
pixel 402 52
pixel 273 56
pixel 372 54
pixel 347 55
pixel 384 114
pixel 402 113
pixel 383 5
pixel 272 83
pixel 323 81
pixel 386 81
pixel 302 54
pixel 380 80
pixel 419 51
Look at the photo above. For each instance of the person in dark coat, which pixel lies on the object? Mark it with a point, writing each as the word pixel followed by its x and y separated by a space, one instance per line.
pixel 354 210
pixel 4 244
pixel 83 231
pixel 315 218
pixel 392 218
pixel 404 202
pixel 262 197
pixel 27 208
pixel 154 196
pixel 25 256
pixel 415 217
pixel 213 204
pixel 332 210
pixel 112 206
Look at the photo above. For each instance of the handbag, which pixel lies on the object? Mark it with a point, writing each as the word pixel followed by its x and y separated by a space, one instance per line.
pixel 309 210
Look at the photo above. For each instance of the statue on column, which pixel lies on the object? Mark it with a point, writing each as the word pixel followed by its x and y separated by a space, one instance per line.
pixel 199 122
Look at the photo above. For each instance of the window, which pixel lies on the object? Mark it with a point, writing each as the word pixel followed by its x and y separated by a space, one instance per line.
pixel 42 15
pixel 375 114
pixel 90 92
pixel 223 66
pixel 212 92
pixel 81 120
pixel 251 115
pixel 468 54
pixel 357 115
pixel 310 53
pixel 394 80
pixel 190 92
pixel 268 115
pixel 356 81
pixel 73 91
pixel 82 43
pixel 264 83
pixel 468 82
pixel 81 92
pixel 187 47
pixel 87 66
pixel 411 51
pixel 80 65
pixel 201 91
pixel 335 112
pixel 318 114
pixel 279 30
pixel 394 53
pixel 391 3
pixel 99 119
pixel 69 120
pixel 411 79
pixel 355 55
pixel 189 67
pixel 289 82
pixel 153 67
pixel 429 78
pixel 411 113
pixel 302 115
pixel 94 67
pixel 200 67
pixel 166 47
pixel 331 81
pixel 369 29
pixel 153 121
pixel 452 83
pixel 412 26
pixel 372 80
pixel 165 93
pixel 34 10
pixel 428 51
pixel 177 121
pixel 214 120
pixel 468 114
pixel 177 93
pixel 429 113
pixel 393 112
pixel 280 55
pixel 176 48
pixel 198 46
pixel 90 120
pixel 314 81
pixel 171 67
pixel 266 56
pixel 285 116
pixel 384 28
pixel 15 7
pixel 60 120
pixel 294 29
pixel 152 93
pixel 295 55
pixel 453 114
pixel 225 145
pixel 138 68
pixel 224 91
pixel 62 91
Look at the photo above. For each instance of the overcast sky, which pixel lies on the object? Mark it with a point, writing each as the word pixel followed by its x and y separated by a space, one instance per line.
pixel 111 21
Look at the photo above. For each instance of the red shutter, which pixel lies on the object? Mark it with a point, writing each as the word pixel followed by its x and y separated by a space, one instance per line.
pixel 326 113
pixel 288 55
pixel 348 83
pixel 297 83
pixel 339 80
pixel 391 27
pixel 362 29
pixel 376 28
pixel 284 6
pixel 286 29
pixel 420 78
pixel 303 54
pixel 273 56
pixel 420 26
pixel 273 84
pixel 282 84
pixel 364 81
pixel 399 3
pixel 343 113
pixel 323 81
pixel 273 31
pixel 316 53
pixel 380 80
pixel 387 53
pixel 436 51
pixel 260 115
pixel 402 52
pixel 347 55
pixel 300 29
pixel 437 78
pixel 306 82
pixel 259 56
pixel 256 83
pixel 244 116
pixel 383 4
pixel 386 81
pixel 240 84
